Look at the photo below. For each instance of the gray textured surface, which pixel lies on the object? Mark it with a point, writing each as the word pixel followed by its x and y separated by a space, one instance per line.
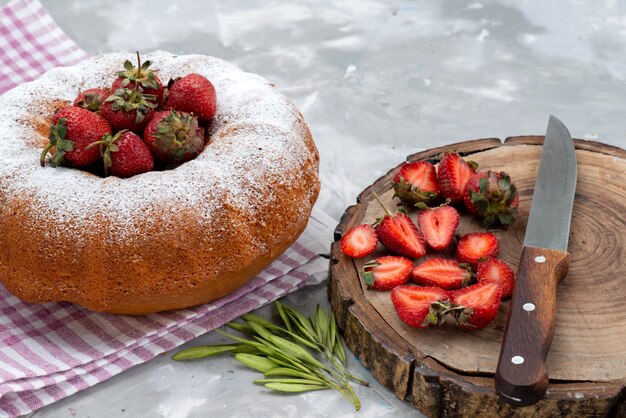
pixel 376 80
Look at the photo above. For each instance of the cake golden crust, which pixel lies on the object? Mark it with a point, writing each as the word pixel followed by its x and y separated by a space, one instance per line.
pixel 160 240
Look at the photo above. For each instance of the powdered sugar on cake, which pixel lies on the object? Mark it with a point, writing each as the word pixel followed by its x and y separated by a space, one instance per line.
pixel 256 140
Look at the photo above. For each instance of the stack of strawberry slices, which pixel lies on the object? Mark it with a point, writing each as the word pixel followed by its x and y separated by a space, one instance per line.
pixel 453 277
pixel 134 126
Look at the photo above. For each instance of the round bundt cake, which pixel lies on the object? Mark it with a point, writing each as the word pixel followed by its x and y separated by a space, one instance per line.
pixel 163 239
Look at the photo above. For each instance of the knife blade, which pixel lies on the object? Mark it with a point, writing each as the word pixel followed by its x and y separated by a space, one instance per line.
pixel 521 376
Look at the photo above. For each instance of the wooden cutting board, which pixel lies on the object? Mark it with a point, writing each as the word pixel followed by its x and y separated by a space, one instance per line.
pixel 449 372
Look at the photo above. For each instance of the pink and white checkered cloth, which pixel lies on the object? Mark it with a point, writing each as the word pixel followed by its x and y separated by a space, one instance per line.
pixel 48 352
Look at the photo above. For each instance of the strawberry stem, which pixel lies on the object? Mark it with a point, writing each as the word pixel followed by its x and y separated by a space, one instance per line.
pixel 42 159
pixel 382 204
pixel 138 69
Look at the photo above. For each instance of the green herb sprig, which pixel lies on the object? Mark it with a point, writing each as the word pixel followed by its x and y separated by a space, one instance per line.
pixel 303 355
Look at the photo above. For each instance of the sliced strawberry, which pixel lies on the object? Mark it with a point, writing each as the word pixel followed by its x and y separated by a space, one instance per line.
pixel 416 183
pixel 475 306
pixel 359 241
pixel 476 247
pixel 385 273
pixel 446 274
pixel 497 271
pixel 453 174
pixel 399 234
pixel 419 306
pixel 438 226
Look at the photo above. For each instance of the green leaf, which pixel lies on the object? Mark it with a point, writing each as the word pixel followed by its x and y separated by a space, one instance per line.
pixel 287 371
pixel 421 205
pixel 287 380
pixel 145 65
pixel 368 278
pixel 260 330
pixel 259 320
pixel 339 351
pixel 309 343
pixel 473 164
pixel 204 351
pixel 506 218
pixel 332 332
pixel 321 324
pixel 479 200
pixel 242 340
pixel 295 350
pixel 489 220
pixel 505 183
pixel 483 185
pixel 285 361
pixel 255 362
pixel 283 315
pixel 238 326
pixel 294 387
pixel 302 324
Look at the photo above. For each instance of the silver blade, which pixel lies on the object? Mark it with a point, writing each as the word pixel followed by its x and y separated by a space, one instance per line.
pixel 553 198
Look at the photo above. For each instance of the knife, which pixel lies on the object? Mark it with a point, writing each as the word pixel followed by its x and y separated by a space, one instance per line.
pixel 521 376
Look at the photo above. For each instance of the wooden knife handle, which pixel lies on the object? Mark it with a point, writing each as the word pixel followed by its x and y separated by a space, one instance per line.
pixel 521 375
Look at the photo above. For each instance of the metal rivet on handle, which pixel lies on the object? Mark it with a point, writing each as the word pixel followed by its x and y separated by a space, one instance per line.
pixel 517 359
pixel 540 259
pixel 529 307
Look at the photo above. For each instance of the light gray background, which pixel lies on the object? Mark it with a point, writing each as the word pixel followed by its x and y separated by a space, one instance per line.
pixel 376 81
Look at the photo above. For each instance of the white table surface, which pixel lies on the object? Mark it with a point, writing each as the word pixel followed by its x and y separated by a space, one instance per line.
pixel 376 80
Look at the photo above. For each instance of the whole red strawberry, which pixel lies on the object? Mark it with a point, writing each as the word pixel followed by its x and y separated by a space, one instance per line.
pixel 453 173
pixel 475 306
pixel 149 82
pixel 128 109
pixel 91 99
pixel 492 196
pixel 73 129
pixel 124 154
pixel 385 273
pixel 476 247
pixel 174 137
pixel 193 93
pixel 419 306
pixel 497 271
pixel 416 184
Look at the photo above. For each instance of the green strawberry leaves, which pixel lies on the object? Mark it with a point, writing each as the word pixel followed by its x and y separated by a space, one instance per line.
pixel 57 139
pixel 130 100
pixel 494 199
pixel 107 146
pixel 366 275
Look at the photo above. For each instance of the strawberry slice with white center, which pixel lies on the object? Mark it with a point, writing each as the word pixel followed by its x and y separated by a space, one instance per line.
pixel 475 306
pixel 475 247
pixel 359 241
pixel 497 271
pixel 385 273
pixel 416 183
pixel 418 306
pixel 443 273
pixel 438 226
